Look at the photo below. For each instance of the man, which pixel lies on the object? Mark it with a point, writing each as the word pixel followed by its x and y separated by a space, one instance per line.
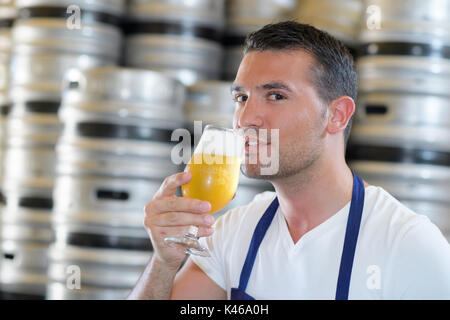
pixel 324 234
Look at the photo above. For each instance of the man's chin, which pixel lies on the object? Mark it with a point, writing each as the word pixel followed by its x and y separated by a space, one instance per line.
pixel 253 172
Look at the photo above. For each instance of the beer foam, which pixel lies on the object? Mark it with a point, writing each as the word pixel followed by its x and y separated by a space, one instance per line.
pixel 221 142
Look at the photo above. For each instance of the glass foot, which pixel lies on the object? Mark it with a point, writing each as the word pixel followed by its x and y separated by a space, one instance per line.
pixel 190 242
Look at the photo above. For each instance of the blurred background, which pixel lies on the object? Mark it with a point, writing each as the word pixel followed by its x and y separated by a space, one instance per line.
pixel 91 91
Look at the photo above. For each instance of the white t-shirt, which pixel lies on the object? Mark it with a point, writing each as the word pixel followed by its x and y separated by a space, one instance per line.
pixel 399 254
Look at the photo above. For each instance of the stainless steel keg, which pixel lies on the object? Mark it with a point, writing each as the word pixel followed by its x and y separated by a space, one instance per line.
pixel 397 109
pixel 30 154
pixel 339 18
pixel 244 17
pixel 406 21
pixel 391 72
pixel 122 111
pixel 422 187
pixel 45 46
pixel 179 38
pixel 210 102
pixel 26 234
pixel 51 25
pixel 103 273
pixel 7 15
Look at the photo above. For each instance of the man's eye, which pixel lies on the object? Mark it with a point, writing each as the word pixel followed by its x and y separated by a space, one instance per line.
pixel 240 98
pixel 276 96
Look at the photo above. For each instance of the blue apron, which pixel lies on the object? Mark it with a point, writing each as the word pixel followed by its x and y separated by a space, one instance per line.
pixel 348 251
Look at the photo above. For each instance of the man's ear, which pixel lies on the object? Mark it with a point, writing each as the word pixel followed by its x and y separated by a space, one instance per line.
pixel 340 112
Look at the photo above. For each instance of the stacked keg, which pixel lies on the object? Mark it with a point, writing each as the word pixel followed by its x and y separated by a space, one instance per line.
pixel 180 38
pixel 401 136
pixel 113 154
pixel 50 37
pixel 340 18
pixel 7 15
pixel 244 17
pixel 211 103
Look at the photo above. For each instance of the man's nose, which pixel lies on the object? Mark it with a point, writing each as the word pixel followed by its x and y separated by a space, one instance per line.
pixel 250 115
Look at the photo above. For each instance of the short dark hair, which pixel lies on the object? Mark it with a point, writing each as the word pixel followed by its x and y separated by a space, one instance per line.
pixel 333 76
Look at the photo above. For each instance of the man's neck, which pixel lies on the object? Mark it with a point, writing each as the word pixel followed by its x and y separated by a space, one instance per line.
pixel 313 196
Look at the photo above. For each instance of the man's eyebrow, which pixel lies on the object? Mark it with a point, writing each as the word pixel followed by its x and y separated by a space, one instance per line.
pixel 275 85
pixel 236 87
pixel 267 86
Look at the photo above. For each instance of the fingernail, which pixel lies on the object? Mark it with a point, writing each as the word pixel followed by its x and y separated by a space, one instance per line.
pixel 205 206
pixel 209 219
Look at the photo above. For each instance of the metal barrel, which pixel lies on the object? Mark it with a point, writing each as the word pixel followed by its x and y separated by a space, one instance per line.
pixel 401 131
pixel 104 273
pixel 30 155
pixel 38 75
pixel 339 18
pixel 8 14
pixel 397 57
pixel 399 120
pixel 84 27
pixel 244 17
pixel 429 75
pixel 46 44
pixel 422 187
pixel 27 188
pixel 179 38
pixel 400 109
pixel 121 111
pixel 112 156
pixel 406 21
pixel 210 102
pixel 26 234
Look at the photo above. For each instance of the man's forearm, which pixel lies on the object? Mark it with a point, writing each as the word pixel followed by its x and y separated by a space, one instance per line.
pixel 155 282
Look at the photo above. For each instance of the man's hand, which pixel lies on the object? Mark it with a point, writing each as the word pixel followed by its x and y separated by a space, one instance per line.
pixel 170 216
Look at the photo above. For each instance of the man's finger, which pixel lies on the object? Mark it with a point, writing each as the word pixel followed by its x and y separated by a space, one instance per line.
pixel 171 183
pixel 169 204
pixel 173 219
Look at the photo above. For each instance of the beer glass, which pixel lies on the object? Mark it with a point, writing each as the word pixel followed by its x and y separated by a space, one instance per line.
pixel 215 168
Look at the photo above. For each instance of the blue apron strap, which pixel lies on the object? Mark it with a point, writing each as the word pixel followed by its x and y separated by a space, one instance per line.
pixel 258 235
pixel 351 238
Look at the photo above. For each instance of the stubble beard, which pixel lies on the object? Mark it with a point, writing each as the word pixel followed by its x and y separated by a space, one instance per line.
pixel 293 160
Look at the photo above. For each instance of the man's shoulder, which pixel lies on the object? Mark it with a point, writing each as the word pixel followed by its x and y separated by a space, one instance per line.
pixel 384 207
pixel 388 217
pixel 417 255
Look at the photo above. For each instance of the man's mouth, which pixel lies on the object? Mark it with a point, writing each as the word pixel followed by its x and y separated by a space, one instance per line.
pixel 254 145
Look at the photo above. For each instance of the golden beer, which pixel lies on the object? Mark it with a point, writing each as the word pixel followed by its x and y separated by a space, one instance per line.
pixel 215 179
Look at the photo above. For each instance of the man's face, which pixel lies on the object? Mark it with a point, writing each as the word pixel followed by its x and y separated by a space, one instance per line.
pixel 274 90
